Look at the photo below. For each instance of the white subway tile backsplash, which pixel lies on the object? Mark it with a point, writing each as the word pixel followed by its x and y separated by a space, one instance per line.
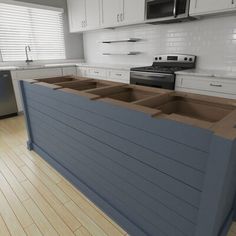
pixel 213 40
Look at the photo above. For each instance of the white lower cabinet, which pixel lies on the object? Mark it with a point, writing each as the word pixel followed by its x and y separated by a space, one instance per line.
pixel 82 71
pixel 69 71
pixel 122 76
pixel 98 73
pixel 213 86
pixel 31 74
pixel 119 76
pixel 205 7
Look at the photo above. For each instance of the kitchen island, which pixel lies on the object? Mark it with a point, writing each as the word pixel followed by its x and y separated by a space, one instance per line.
pixel 156 161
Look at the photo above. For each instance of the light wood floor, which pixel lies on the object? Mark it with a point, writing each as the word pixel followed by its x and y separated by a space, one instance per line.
pixel 35 200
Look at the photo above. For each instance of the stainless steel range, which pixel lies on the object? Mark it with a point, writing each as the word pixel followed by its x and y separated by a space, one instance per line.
pixel 162 72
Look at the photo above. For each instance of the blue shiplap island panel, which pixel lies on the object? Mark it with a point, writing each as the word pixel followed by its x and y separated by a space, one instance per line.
pixel 153 176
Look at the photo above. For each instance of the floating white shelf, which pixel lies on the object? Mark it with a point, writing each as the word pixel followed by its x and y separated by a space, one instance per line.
pixel 131 40
pixel 120 53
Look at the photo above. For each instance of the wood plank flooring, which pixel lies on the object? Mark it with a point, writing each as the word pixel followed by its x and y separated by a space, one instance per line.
pixel 36 200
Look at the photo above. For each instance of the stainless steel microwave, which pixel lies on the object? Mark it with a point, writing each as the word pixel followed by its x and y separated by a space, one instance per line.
pixel 167 10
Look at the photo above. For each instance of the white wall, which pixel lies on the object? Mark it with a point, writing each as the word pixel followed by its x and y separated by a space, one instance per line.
pixel 73 42
pixel 212 40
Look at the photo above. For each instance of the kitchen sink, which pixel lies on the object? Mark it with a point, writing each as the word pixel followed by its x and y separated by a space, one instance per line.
pixel 84 85
pixel 128 94
pixel 183 106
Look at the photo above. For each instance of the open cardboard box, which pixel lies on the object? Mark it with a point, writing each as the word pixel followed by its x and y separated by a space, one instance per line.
pixel 198 110
pixel 193 109
pixel 127 93
pixel 55 80
pixel 88 84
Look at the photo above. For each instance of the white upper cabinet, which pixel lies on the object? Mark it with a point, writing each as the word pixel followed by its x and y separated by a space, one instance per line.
pixel 122 12
pixel 234 3
pixel 112 11
pixel 92 14
pixel 77 15
pixel 83 15
pixel 133 11
pixel 204 7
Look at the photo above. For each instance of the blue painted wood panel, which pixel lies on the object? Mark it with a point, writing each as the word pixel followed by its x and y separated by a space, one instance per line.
pixel 178 188
pixel 119 165
pixel 116 178
pixel 153 176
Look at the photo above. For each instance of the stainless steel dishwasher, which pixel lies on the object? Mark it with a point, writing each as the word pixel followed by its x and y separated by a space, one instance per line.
pixel 8 105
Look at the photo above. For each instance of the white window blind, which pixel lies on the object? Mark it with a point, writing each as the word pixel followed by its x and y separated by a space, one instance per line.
pixel 41 29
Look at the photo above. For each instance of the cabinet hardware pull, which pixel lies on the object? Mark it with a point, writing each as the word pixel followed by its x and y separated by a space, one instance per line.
pixel 96 72
pixel 117 18
pixel 175 9
pixel 232 2
pixel 119 74
pixel 216 85
pixel 121 17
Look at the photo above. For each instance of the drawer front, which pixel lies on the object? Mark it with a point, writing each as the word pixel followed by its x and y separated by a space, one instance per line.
pixel 213 85
pixel 119 76
pixel 98 73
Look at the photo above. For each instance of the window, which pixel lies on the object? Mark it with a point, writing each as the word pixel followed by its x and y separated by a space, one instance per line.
pixel 41 29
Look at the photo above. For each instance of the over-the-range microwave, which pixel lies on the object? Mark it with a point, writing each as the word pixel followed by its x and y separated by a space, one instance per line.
pixel 167 11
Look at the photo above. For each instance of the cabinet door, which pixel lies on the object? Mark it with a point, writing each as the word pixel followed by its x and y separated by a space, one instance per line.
pixel 119 76
pixel 112 11
pixel 92 14
pixel 198 7
pixel 16 87
pixel 82 71
pixel 76 13
pixel 69 71
pixel 233 2
pixel 206 85
pixel 133 11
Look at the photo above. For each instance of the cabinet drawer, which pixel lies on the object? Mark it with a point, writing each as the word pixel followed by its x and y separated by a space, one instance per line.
pixel 97 73
pixel 119 76
pixel 213 85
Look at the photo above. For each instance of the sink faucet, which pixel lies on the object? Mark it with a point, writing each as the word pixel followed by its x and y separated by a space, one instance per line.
pixel 27 49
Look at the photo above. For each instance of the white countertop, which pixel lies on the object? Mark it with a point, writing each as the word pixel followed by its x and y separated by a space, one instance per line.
pixel 38 65
pixel 209 73
pixel 7 68
pixel 65 64
pixel 105 66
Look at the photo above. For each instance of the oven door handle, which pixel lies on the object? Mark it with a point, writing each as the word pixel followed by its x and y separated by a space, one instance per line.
pixel 149 74
pixel 175 8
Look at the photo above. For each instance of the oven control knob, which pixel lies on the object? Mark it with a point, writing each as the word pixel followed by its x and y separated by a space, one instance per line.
pixel 190 59
pixel 185 58
pixel 160 58
pixel 156 59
